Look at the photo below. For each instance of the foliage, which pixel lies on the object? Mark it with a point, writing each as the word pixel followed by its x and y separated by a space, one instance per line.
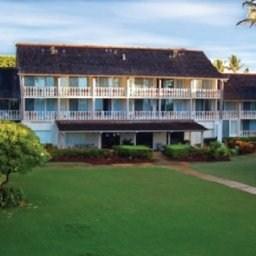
pixel 243 145
pixel 76 153
pixel 214 152
pixel 134 152
pixel 7 61
pixel 20 150
pixel 233 64
pixel 219 65
pixel 11 197
pixel 251 13
pixel 178 151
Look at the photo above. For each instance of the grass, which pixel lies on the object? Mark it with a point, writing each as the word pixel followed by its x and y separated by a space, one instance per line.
pixel 106 211
pixel 241 169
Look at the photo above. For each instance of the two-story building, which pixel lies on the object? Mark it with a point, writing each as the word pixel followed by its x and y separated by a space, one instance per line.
pixel 103 95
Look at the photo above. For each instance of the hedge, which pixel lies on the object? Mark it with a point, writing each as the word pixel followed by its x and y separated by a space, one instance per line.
pixel 134 152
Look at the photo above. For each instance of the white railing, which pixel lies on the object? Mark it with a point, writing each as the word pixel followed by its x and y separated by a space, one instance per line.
pixel 10 115
pixel 40 115
pixel 143 92
pixel 206 93
pixel 248 114
pixel 205 115
pixel 30 91
pixel 110 92
pixel 75 92
pixel 175 92
pixel 230 114
pixel 249 133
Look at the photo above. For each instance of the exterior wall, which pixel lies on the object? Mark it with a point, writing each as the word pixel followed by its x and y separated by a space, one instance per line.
pixel 159 139
pixel 46 131
pixel 81 139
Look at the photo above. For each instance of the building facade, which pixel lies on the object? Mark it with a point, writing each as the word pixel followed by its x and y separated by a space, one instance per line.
pixel 103 96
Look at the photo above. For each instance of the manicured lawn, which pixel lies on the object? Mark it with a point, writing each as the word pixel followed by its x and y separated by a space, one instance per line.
pixel 81 211
pixel 241 169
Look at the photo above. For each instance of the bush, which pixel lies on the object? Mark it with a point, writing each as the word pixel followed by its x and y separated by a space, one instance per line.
pixel 134 152
pixel 244 145
pixel 11 197
pixel 218 151
pixel 178 151
pixel 77 153
pixel 215 151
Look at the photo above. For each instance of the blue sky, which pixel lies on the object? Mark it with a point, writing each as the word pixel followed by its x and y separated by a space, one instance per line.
pixel 197 24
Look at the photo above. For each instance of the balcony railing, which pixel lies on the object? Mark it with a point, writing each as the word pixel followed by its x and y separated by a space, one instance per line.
pixel 30 91
pixel 248 115
pixel 175 92
pixel 13 115
pixel 250 133
pixel 205 115
pixel 121 115
pixel 110 92
pixel 206 93
pixel 75 92
pixel 40 115
pixel 229 115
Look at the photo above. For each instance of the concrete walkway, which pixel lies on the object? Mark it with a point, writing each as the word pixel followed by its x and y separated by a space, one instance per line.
pixel 186 169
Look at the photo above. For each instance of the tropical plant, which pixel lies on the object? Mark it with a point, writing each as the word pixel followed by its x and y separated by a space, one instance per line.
pixel 7 61
pixel 20 151
pixel 251 13
pixel 234 64
pixel 219 65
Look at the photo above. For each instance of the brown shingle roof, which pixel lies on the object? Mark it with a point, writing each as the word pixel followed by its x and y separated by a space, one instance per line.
pixel 240 87
pixel 129 126
pixel 93 60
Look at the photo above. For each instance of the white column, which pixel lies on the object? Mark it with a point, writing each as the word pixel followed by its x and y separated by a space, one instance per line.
pixel 22 96
pixel 93 96
pixel 99 141
pixel 58 97
pixel 202 138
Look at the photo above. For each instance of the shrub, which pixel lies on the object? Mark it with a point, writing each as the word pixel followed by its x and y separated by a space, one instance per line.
pixel 11 197
pixel 178 151
pixel 134 152
pixel 243 145
pixel 77 153
pixel 218 151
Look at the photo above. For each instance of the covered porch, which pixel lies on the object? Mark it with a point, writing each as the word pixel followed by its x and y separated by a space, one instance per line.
pixel 102 134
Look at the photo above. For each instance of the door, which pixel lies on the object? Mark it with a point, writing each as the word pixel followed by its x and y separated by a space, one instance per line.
pixel 145 138
pixel 177 137
pixel 108 140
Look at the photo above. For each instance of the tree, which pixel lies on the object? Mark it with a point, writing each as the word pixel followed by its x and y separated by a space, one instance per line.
pixel 20 150
pixel 234 64
pixel 251 13
pixel 219 65
pixel 7 61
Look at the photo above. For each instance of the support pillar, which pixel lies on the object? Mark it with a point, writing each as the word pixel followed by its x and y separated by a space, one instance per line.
pixel 202 138
pixel 99 146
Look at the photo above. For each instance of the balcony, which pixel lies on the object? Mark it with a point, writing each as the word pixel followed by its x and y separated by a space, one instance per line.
pixel 175 93
pixel 248 114
pixel 110 92
pixel 12 115
pixel 206 94
pixel 48 92
pixel 230 115
pixel 75 92
pixel 40 115
pixel 205 115
pixel 121 115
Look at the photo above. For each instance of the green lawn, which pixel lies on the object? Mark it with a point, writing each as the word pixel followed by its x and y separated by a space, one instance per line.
pixel 241 169
pixel 104 211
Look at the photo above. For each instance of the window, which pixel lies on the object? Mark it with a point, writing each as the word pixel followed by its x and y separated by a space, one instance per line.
pixel 203 105
pixel 166 105
pixel 168 83
pixel 144 83
pixel 233 128
pixel 179 84
pixel 207 84
pixel 78 82
pixel 40 81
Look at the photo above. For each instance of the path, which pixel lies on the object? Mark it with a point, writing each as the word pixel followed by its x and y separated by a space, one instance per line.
pixel 186 169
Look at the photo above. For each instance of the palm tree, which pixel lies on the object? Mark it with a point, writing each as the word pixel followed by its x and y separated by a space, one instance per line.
pixel 251 15
pixel 234 64
pixel 219 65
